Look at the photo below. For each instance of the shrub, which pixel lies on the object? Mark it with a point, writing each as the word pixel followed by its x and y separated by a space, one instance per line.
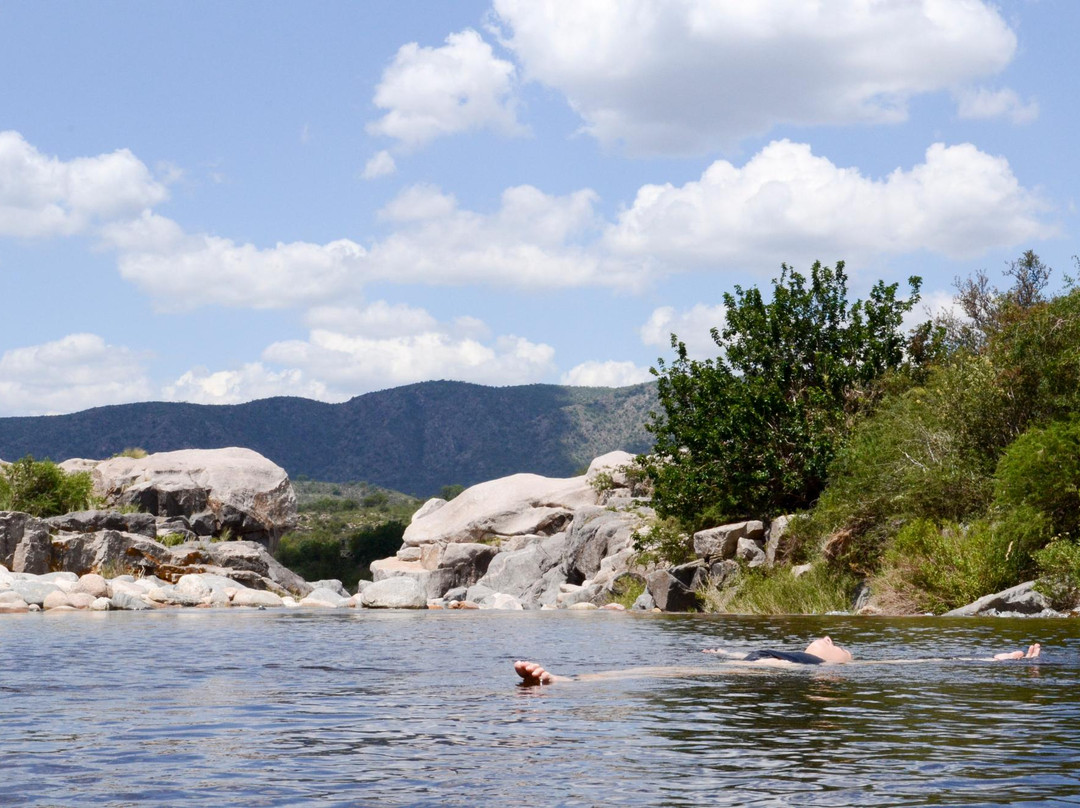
pixel 938 567
pixel 172 539
pixel 42 488
pixel 754 430
pixel 777 591
pixel 326 552
pixel 663 541
pixel 1041 469
pixel 448 492
pixel 1059 573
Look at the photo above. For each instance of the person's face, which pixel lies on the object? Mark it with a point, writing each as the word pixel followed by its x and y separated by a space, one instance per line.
pixel 827 650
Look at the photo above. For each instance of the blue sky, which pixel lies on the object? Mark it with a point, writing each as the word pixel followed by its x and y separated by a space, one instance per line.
pixel 217 202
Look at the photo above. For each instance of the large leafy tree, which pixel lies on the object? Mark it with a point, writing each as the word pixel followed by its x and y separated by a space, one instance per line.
pixel 753 431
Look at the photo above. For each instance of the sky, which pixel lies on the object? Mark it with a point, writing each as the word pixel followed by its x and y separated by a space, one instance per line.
pixel 216 202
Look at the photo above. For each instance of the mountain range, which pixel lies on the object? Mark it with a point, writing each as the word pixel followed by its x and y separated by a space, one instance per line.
pixel 414 439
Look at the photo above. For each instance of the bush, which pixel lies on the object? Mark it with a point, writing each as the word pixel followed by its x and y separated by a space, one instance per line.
pixel 326 553
pixel 42 488
pixel 1059 573
pixel 663 541
pixel 941 567
pixel 1041 469
pixel 777 591
pixel 753 431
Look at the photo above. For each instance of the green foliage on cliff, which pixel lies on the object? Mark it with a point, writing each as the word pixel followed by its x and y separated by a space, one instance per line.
pixel 755 430
pixel 41 488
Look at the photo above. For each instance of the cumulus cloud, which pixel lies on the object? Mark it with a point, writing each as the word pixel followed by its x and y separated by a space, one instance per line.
pixel 689 76
pixel 183 270
pixel 378 319
pixel 73 373
pixel 44 196
pixel 981 103
pixel 787 204
pixel 606 374
pixel 692 326
pixel 381 164
pixel 432 92
pixel 252 381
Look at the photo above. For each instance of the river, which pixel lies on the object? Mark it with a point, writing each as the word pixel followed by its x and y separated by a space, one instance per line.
pixel 274 708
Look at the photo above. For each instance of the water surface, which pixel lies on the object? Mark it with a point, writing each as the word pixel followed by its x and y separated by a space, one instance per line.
pixel 274 708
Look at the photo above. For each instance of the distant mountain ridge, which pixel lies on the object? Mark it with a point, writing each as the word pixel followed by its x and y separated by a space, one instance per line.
pixel 414 439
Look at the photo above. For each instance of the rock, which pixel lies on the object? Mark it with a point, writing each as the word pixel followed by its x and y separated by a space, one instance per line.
pixel 240 490
pixel 674 590
pixel 501 600
pixel 409 554
pixel 777 528
pixel 613 607
pixel 92 584
pixel 33 591
pixel 469 560
pixel 133 588
pixel 129 602
pixel 478 593
pixel 244 561
pixel 394 593
pixel 722 542
pixel 594 534
pixel 515 572
pixel 723 573
pixel 101 605
pixel 433 583
pixel 332 584
pixel 324 598
pixel 257 598
pixel 861 599
pixel 644 603
pixel 800 570
pixel 510 506
pixel 427 508
pixel 74 465
pixel 193 587
pixel 750 551
pixel 583 606
pixel 81 553
pixel 16 528
pixel 589 593
pixel 1021 599
pixel 81 600
pixel 13 604
pixel 142 524
pixel 55 599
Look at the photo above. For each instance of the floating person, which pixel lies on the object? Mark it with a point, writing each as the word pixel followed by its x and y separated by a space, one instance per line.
pixel 822 651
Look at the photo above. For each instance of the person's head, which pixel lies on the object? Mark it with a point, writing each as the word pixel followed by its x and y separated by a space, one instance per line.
pixel 827 650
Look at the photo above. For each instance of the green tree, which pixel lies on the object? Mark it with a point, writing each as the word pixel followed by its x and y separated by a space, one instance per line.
pixel 41 488
pixel 753 431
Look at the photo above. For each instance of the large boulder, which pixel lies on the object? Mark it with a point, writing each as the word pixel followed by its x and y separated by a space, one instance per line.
pixel 718 543
pixel 18 528
pixel 595 534
pixel 394 593
pixel 109 552
pixel 675 589
pixel 1018 600
pixel 240 489
pixel 143 524
pixel 432 583
pixel 521 504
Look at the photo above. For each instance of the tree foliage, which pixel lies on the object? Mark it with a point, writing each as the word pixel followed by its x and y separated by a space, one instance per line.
pixel 41 488
pixel 754 431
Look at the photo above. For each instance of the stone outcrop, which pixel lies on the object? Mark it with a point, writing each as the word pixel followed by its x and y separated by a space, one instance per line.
pixel 1020 600
pixel 216 490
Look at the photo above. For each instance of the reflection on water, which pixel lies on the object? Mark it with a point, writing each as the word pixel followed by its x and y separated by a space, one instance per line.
pixel 200 708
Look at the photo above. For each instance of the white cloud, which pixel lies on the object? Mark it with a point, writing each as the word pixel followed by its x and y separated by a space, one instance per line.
pixel 381 164
pixel 184 270
pixel 378 319
pixel 687 76
pixel 73 373
pixel 432 92
pixel 691 326
pixel 606 374
pixel 787 204
pixel 981 103
pixel 252 381
pixel 44 196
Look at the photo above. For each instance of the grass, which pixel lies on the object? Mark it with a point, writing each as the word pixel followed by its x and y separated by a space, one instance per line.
pixel 777 591
pixel 631 589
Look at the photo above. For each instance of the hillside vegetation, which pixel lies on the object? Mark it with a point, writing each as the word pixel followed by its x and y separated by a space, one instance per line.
pixel 949 456
pixel 415 439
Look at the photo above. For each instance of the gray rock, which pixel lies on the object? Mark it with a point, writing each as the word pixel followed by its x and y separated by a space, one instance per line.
pixel 332 584
pixel 238 489
pixel 723 573
pixel 469 560
pixel 141 524
pixel 323 598
pixel 92 584
pixel 801 569
pixel 1021 599
pixel 501 600
pixel 478 593
pixel 590 593
pixel 433 583
pixel 457 593
pixel 236 558
pixel 55 600
pixel 129 602
pixel 594 534
pixel 257 598
pixel 33 591
pixel 750 551
pixel 192 587
pixel 81 553
pixel 14 528
pixel 394 593
pixel 644 603
pixel 671 591
pixel 101 605
pixel 722 542
pixel 33 553
pixel 777 528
